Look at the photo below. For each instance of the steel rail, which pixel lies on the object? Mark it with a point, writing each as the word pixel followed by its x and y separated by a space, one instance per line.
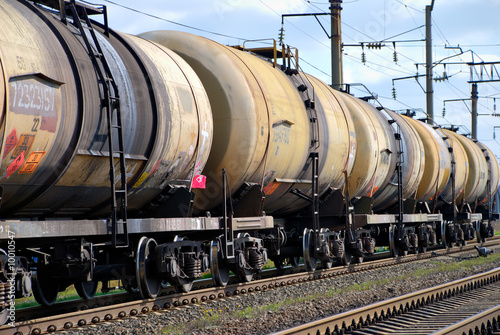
pixel 479 323
pixel 87 315
pixel 77 304
pixel 364 316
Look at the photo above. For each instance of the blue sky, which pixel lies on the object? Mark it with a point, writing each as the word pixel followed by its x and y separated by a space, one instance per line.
pixel 470 24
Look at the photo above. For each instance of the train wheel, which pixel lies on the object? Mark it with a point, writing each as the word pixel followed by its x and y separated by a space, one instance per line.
pixel 45 289
pixel 130 285
pixel 295 261
pixel 220 272
pixel 86 289
pixel 308 249
pixel 149 283
pixel 4 316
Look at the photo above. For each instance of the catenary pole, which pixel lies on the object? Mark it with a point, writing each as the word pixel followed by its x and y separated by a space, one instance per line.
pixel 336 44
pixel 428 64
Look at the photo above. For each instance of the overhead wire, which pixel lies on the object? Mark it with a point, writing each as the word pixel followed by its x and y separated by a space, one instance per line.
pixel 313 66
pixel 467 106
pixel 415 21
pixel 315 39
pixel 407 6
pixel 453 87
pixel 386 67
pixel 371 51
pixel 392 99
pixel 173 22
pixel 443 38
pixel 309 3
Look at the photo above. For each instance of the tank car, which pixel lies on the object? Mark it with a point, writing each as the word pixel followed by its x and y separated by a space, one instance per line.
pixel 107 139
pixel 90 117
pixel 367 160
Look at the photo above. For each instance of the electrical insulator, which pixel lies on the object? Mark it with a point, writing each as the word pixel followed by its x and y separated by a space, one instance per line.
pixel 393 92
pixel 374 45
pixel 395 54
pixel 363 57
pixel 444 111
pixel 281 35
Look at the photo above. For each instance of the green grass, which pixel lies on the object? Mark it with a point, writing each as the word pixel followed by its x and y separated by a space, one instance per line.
pixel 269 265
pixel 210 318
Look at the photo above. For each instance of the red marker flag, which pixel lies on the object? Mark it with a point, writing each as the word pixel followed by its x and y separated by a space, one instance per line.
pixel 199 181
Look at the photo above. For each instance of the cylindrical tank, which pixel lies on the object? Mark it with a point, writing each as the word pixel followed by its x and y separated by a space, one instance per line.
pixel 460 165
pixel 412 162
pixel 263 130
pixel 437 162
pixel 336 149
pixel 376 153
pixel 493 173
pixel 55 155
pixel 478 171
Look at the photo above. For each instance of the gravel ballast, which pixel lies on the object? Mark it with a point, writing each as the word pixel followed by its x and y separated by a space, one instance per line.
pixel 285 307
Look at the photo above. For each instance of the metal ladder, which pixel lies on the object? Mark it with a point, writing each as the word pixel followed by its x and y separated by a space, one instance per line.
pixel 110 105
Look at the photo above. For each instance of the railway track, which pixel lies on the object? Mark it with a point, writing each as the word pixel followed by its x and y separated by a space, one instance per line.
pixel 486 322
pixel 460 307
pixel 118 306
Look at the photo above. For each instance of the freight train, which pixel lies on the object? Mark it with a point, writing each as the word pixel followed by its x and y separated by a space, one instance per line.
pixel 154 158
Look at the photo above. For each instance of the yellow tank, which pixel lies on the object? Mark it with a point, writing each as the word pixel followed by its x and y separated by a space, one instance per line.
pixel 336 149
pixel 461 165
pixel 376 157
pixel 413 162
pixel 437 162
pixel 262 129
pixel 493 173
pixel 478 171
